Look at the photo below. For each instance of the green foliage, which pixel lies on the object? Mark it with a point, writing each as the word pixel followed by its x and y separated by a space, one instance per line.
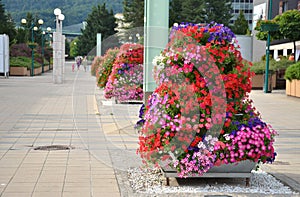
pixel 134 13
pixel 263 35
pixel 240 26
pixel 193 11
pixel 260 67
pixel 200 11
pixel 289 23
pixel 100 20
pixel 73 48
pixel 75 11
pixel 293 72
pixel 218 11
pixel 175 12
pixel 22 61
pixel 7 26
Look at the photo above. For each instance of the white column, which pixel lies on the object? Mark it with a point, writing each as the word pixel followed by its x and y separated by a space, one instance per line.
pixel 63 56
pixel 99 44
pixel 57 58
pixel 275 54
pixel 156 38
pixel 285 52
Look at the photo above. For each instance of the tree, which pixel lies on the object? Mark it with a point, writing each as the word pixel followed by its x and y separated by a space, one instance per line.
pixel 289 25
pixel 175 11
pixel 100 20
pixel 193 11
pixel 218 11
pixel 7 25
pixel 133 11
pixel 240 25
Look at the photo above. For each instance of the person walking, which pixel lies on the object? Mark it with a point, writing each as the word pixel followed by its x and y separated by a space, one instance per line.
pixel 84 63
pixel 78 62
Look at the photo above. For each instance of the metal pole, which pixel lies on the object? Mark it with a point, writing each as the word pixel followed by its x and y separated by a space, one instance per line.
pixel 266 87
pixel 43 53
pixel 32 50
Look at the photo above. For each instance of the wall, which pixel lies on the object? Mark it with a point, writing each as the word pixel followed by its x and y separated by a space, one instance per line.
pixel 246 48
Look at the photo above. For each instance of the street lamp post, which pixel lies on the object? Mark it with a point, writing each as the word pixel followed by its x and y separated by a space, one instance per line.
pixel 48 34
pixel 266 85
pixel 58 49
pixel 32 46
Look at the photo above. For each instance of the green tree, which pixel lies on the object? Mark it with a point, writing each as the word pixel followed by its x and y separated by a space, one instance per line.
pixel 175 11
pixel 73 47
pixel 240 26
pixel 193 11
pixel 289 25
pixel 100 20
pixel 218 11
pixel 133 11
pixel 7 25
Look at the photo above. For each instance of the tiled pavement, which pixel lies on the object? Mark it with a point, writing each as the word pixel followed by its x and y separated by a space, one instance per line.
pixel 100 136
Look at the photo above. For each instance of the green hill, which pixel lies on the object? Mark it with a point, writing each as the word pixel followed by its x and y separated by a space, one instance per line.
pixel 75 11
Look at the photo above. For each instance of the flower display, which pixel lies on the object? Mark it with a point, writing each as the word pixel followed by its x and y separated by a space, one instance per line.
pixel 200 114
pixel 105 66
pixel 125 81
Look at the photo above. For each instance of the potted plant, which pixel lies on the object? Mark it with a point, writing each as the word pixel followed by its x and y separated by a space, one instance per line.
pixel 292 76
pixel 125 81
pixel 200 116
pixel 268 25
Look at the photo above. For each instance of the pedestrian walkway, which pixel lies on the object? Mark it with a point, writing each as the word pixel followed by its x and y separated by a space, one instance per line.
pixel 35 113
pixel 283 113
pixel 96 137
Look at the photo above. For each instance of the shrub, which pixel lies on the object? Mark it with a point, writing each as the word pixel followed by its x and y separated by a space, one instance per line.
pixel 23 62
pixel 293 72
pixel 260 67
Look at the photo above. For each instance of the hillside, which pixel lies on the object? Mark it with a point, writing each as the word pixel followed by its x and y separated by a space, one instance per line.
pixel 75 11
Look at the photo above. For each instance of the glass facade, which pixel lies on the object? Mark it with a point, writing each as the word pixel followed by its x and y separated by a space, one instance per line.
pixel 244 5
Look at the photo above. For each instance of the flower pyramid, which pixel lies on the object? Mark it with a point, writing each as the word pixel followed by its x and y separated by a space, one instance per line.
pixel 125 81
pixel 200 114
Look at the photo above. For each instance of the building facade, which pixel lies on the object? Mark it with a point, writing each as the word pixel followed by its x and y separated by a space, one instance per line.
pixel 242 5
pixel 278 47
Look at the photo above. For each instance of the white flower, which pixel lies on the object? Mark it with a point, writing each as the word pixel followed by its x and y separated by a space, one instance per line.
pixel 226 136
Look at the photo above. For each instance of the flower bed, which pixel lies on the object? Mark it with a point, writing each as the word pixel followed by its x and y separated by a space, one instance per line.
pixel 126 79
pixel 200 115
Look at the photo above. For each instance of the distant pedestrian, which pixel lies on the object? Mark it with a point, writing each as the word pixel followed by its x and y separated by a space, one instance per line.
pixel 78 62
pixel 73 67
pixel 84 63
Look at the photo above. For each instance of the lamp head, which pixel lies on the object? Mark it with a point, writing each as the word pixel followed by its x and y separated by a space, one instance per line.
pixel 23 21
pixel 57 12
pixel 40 21
pixel 61 17
pixel 35 28
pixel 48 29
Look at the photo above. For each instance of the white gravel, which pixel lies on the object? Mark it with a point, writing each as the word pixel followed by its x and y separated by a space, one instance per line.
pixel 153 182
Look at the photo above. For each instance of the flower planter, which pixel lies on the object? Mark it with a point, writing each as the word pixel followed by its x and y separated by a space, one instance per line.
pixel 293 88
pixel 18 71
pixel 258 81
pixel 241 169
pixel 269 27
pixel 37 71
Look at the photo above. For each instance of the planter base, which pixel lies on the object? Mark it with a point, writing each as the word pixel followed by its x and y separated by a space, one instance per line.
pixel 240 170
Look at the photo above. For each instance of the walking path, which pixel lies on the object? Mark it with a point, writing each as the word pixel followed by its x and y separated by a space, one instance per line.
pixel 35 112
pixel 98 137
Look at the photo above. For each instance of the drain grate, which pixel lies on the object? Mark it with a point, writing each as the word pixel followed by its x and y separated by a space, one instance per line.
pixel 54 147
